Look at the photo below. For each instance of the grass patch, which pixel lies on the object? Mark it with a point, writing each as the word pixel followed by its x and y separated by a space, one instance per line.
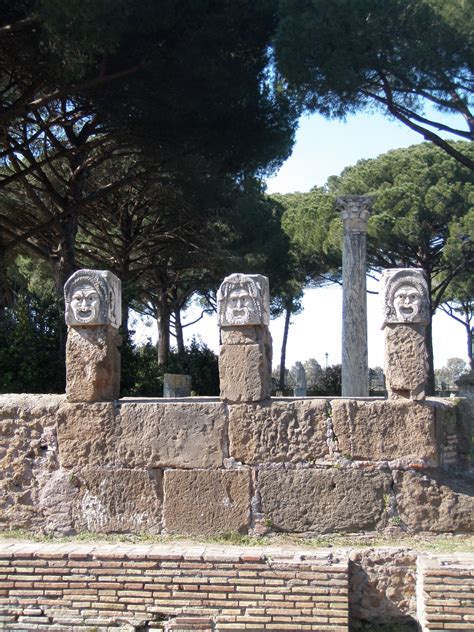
pixel 440 544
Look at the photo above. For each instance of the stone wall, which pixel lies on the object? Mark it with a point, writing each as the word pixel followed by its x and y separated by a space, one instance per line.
pixel 202 467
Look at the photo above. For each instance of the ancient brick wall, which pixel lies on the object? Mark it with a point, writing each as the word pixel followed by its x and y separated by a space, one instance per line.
pixel 446 592
pixel 138 588
pixel 184 587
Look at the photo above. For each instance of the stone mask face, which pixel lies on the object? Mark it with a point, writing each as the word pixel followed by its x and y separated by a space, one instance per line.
pixel 85 304
pixel 93 298
pixel 407 302
pixel 240 308
pixel 243 300
pixel 405 297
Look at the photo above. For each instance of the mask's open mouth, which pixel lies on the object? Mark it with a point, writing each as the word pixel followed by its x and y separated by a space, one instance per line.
pixel 84 314
pixel 408 310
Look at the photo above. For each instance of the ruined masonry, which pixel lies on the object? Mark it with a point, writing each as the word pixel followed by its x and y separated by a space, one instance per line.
pixel 242 463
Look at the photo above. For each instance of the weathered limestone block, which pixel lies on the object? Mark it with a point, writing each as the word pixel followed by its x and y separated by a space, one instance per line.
pixel 92 364
pixel 289 431
pixel 245 335
pixel 439 504
pixel 182 435
pixel 118 501
pixel 383 586
pixel 323 500
pixel 28 455
pixel 57 493
pixel 243 373
pixel 465 385
pixel 206 502
pixel 406 361
pixel 386 429
pixel 86 434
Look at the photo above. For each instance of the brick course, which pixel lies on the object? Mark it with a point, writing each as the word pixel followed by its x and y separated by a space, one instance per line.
pixel 446 589
pixel 176 588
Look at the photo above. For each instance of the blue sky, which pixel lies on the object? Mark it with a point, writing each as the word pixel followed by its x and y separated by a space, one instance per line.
pixel 323 148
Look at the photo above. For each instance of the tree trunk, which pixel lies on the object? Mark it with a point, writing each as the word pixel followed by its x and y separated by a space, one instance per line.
pixel 163 331
pixel 429 337
pixel 429 349
pixel 64 255
pixel 6 295
pixel 179 330
pixel 283 347
pixel 125 318
pixel 469 346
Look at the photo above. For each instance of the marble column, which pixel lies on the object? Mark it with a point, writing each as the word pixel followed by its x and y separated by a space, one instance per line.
pixel 354 211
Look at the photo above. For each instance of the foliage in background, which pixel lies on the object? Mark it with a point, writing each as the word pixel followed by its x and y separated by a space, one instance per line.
pixel 32 334
pixel 412 60
pixel 446 376
pixel 143 375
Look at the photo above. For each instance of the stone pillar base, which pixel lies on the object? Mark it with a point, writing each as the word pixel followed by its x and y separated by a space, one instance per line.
pixel 92 364
pixel 245 364
pixel 406 361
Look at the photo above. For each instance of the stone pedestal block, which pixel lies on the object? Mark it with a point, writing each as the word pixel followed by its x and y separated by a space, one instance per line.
pixel 245 335
pixel 406 360
pixel 245 372
pixel 323 500
pixel 206 502
pixel 92 364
